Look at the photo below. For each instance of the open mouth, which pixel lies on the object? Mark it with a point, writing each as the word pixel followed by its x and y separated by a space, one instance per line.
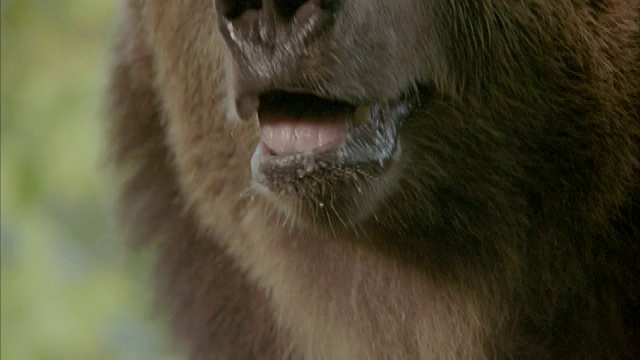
pixel 302 133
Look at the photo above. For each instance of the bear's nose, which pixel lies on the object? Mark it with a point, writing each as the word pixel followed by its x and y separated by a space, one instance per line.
pixel 265 21
pixel 269 39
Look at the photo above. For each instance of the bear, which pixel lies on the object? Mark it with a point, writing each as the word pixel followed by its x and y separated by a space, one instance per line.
pixel 414 179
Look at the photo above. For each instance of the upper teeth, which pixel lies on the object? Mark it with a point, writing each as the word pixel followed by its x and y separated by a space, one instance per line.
pixel 362 114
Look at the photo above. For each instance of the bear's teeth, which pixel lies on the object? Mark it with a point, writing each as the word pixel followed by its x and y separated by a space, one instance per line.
pixel 362 114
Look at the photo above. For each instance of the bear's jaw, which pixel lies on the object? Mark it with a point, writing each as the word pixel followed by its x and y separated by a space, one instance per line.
pixel 347 163
pixel 303 134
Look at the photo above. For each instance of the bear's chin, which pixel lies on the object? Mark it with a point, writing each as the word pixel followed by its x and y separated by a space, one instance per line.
pixel 323 191
pixel 339 183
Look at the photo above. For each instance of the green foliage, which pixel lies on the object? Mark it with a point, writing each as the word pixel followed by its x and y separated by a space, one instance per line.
pixel 70 289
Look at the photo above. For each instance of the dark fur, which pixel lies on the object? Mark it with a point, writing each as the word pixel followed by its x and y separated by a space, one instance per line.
pixel 511 228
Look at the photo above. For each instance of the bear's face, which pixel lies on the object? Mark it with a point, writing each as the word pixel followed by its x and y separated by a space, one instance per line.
pixel 359 100
pixel 407 115
pixel 330 88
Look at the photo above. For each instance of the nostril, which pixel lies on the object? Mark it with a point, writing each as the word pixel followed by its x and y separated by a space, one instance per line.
pixel 233 9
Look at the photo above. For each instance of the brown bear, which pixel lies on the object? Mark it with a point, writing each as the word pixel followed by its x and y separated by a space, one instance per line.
pixel 411 179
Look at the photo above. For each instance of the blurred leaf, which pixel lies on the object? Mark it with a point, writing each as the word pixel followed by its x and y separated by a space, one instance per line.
pixel 70 290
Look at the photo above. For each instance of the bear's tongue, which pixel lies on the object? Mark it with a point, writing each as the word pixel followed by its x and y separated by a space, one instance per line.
pixel 297 123
pixel 283 136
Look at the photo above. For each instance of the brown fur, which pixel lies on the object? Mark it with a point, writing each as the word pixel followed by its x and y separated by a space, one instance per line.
pixel 510 230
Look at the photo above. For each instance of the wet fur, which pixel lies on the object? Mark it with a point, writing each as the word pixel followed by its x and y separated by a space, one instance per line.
pixel 510 230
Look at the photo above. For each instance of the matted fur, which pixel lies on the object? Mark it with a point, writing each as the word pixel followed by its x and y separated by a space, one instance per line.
pixel 511 230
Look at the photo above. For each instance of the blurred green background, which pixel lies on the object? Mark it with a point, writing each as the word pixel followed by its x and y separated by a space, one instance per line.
pixel 69 287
